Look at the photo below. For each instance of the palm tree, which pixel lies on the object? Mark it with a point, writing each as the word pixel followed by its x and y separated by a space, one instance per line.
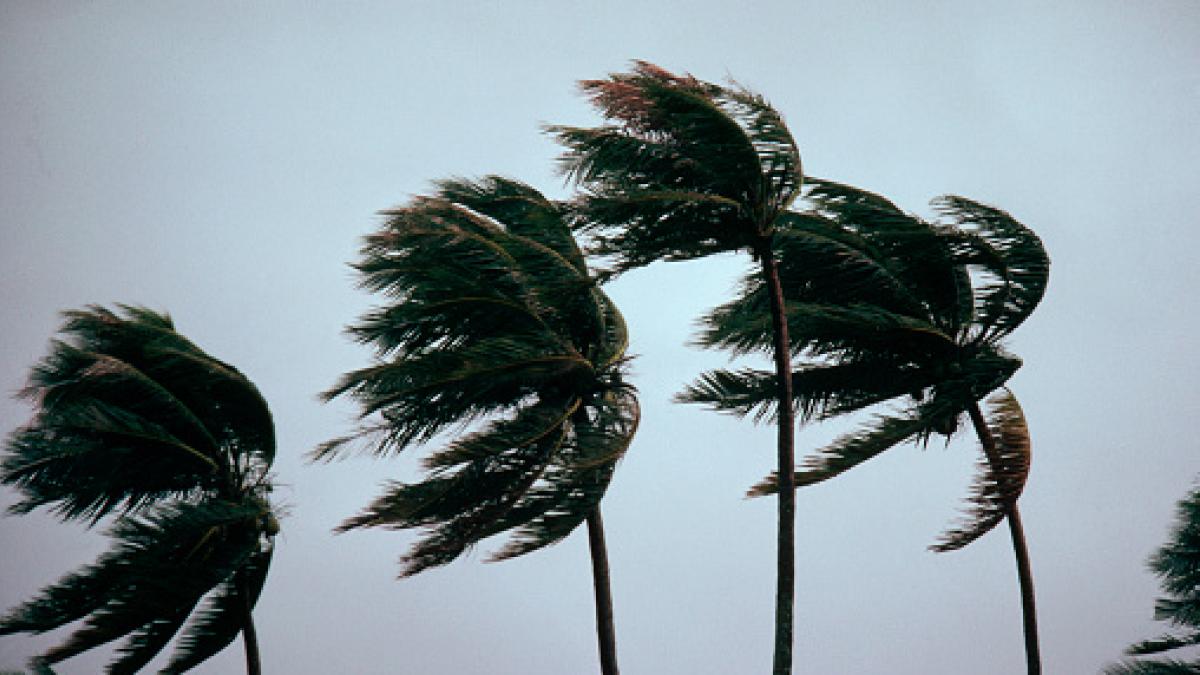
pixel 884 306
pixel 684 169
pixel 1177 565
pixel 491 318
pixel 133 419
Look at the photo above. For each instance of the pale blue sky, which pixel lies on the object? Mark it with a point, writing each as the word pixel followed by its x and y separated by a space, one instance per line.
pixel 219 160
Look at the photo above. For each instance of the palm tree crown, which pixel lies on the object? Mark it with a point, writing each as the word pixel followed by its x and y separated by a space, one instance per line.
pixel 492 318
pixel 884 306
pixel 684 169
pixel 133 419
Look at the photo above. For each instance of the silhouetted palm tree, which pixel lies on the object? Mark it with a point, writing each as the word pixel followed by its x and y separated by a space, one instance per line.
pixel 685 169
pixel 133 419
pixel 884 306
pixel 491 317
pixel 1177 565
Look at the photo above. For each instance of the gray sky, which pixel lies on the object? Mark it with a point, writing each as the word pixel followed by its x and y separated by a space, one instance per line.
pixel 221 160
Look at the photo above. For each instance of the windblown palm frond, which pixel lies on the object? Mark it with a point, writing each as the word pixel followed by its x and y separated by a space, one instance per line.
pixel 491 318
pixel 1177 565
pixel 133 419
pixel 1000 477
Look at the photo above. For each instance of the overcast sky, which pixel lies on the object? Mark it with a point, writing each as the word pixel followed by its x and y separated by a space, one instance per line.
pixel 220 161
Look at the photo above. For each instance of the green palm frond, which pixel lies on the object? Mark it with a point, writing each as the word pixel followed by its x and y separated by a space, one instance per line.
pixel 1000 478
pixel 1165 667
pixel 573 485
pixel 521 209
pixel 161 565
pixel 821 260
pixel 215 626
pixel 917 252
pixel 744 392
pixel 820 391
pixel 821 328
pixel 1164 643
pixel 466 507
pixel 849 451
pixel 1012 257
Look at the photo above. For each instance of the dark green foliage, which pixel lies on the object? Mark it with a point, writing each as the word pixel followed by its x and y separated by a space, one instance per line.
pixel 491 318
pixel 1177 565
pixel 886 307
pixel 684 169
pixel 134 420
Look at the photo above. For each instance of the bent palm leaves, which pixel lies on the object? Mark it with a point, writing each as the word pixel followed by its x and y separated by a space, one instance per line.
pixel 684 169
pixel 492 318
pixel 132 418
pixel 885 307
pixel 1177 565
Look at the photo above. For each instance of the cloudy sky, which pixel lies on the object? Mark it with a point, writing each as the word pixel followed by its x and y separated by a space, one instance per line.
pixel 220 160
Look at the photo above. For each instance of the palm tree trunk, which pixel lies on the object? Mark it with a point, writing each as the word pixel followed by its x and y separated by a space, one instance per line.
pixel 1033 658
pixel 785 575
pixel 605 632
pixel 249 636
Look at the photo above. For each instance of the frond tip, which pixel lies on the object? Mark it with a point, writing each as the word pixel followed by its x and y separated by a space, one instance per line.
pixel 1000 476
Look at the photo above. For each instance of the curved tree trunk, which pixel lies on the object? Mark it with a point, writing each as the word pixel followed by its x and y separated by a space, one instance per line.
pixel 605 632
pixel 785 577
pixel 249 636
pixel 1033 657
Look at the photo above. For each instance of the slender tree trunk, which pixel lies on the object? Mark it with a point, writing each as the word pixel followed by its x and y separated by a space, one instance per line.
pixel 249 636
pixel 605 632
pixel 1033 658
pixel 785 577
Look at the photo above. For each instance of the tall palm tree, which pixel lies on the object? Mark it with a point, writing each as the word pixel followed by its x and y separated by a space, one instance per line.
pixel 886 307
pixel 1177 565
pixel 133 419
pixel 492 318
pixel 684 169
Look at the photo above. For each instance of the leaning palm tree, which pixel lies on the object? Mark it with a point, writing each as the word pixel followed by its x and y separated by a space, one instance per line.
pixel 883 307
pixel 492 319
pixel 684 169
pixel 133 420
pixel 1177 565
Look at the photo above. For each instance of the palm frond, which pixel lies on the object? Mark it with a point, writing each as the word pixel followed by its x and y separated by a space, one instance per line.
pixel 849 451
pixel 1166 667
pixel 1011 255
pixel 743 392
pixel 160 567
pixel 576 481
pixel 520 209
pixel 1164 643
pixel 917 251
pixel 419 397
pixel 223 616
pixel 1000 478
pixel 494 468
